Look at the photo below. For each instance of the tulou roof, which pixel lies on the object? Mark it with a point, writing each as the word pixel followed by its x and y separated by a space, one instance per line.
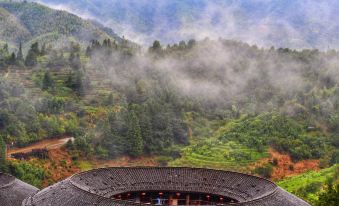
pixel 14 191
pixel 98 187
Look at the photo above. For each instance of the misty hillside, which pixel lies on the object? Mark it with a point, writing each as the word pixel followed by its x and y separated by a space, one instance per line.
pixel 75 96
pixel 29 22
pixel 290 23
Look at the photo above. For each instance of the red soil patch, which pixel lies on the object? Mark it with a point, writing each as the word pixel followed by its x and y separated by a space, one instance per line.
pixel 285 166
pixel 59 166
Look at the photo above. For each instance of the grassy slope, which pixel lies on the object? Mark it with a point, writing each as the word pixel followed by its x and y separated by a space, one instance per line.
pixel 296 183
pixel 213 153
pixel 219 155
pixel 229 146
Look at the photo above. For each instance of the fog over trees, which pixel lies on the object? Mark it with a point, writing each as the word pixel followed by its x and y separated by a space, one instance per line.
pixel 205 101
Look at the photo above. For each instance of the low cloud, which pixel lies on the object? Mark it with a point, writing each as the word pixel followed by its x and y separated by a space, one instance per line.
pixel 295 24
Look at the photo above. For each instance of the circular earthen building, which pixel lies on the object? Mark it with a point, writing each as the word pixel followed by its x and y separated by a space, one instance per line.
pixel 163 186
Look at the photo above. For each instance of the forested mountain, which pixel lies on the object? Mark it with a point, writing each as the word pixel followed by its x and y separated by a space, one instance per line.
pixel 28 22
pixel 288 23
pixel 214 103
pixel 118 101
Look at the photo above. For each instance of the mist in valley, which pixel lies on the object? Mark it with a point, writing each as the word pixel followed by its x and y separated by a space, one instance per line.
pixel 224 72
pixel 231 85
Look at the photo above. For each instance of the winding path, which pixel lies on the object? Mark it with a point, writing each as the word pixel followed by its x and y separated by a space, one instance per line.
pixel 43 144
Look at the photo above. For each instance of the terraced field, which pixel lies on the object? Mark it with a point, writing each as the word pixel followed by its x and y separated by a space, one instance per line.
pixel 22 78
pixel 31 81
pixel 217 154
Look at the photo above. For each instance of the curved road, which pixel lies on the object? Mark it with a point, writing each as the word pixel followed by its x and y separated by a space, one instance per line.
pixel 43 144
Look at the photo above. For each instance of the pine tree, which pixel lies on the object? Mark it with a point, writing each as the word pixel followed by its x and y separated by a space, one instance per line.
pixel 47 81
pixel 71 57
pixel 134 142
pixel 147 135
pixel 113 131
pixel 78 84
pixel 110 100
pixel 12 59
pixel 156 47
pixel 20 56
pixel 76 62
pixel 182 45
pixel 69 81
pixel 88 51
pixel 35 48
pixel 43 50
pixel 32 56
pixel 5 49
pixel 191 43
pixel 75 82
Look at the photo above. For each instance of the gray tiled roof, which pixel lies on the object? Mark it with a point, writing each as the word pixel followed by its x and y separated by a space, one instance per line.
pixel 14 191
pixel 98 186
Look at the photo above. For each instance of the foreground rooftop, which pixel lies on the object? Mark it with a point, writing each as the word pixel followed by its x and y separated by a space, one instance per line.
pixel 154 186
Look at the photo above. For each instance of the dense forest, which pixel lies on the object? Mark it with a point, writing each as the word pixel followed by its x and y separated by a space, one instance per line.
pixel 209 103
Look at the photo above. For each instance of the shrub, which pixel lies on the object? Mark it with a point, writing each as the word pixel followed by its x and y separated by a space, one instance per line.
pixel 28 173
pixel 265 171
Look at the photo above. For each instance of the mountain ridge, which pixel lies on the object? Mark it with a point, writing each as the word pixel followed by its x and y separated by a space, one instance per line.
pixel 26 22
pixel 293 24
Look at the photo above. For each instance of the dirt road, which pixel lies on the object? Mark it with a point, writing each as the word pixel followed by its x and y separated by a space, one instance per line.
pixel 44 144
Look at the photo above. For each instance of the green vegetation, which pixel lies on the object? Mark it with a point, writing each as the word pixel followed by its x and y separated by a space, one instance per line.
pixel 85 166
pixel 244 141
pixel 310 184
pixel 135 148
pixel 3 153
pixel 218 154
pixel 28 172
pixel 330 197
pixel 177 103
pixel 282 133
pixel 265 171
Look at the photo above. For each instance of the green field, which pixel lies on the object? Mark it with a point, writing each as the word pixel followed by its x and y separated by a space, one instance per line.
pixel 208 151
pixel 307 185
pixel 218 154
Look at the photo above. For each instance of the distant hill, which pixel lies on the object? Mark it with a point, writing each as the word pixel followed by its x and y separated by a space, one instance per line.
pixel 11 28
pixel 282 23
pixel 29 22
